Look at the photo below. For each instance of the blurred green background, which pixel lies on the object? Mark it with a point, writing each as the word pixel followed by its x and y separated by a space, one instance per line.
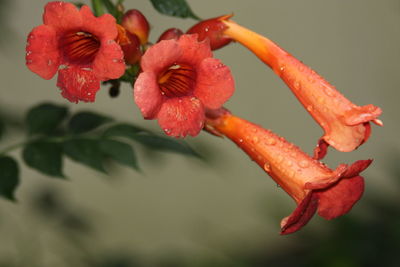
pixel 224 212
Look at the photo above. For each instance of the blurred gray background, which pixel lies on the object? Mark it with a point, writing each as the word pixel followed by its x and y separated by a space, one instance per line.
pixel 189 208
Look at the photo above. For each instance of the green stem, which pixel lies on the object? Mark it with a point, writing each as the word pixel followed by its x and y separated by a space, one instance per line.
pixel 97 7
pixel 13 147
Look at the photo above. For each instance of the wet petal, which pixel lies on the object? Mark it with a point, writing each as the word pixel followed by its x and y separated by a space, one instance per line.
pixel 340 198
pixel 77 84
pixel 215 84
pixel 109 61
pixel 193 51
pixel 42 55
pixel 161 56
pixel 103 27
pixel 181 116
pixel 301 215
pixel 62 16
pixel 147 95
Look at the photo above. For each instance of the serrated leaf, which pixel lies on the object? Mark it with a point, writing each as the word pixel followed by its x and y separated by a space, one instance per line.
pixel 165 144
pixel 9 177
pixel 85 151
pixel 120 152
pixel 176 8
pixel 123 130
pixel 45 157
pixel 86 121
pixel 45 118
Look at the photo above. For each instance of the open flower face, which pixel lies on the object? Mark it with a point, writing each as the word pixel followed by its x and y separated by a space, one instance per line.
pixel 346 125
pixel 78 45
pixel 180 80
pixel 313 185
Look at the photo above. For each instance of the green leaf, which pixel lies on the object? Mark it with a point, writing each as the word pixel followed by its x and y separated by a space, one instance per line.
pixel 176 8
pixel 86 121
pixel 45 118
pixel 165 144
pixel 46 157
pixel 85 151
pixel 123 130
pixel 120 152
pixel 9 177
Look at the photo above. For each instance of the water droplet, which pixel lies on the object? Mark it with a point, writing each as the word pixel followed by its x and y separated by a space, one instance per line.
pixel 29 61
pixel 240 140
pixel 49 62
pixel 255 139
pixel 28 53
pixel 304 164
pixel 267 167
pixel 282 68
pixel 289 163
pixel 279 158
pixel 328 91
pixel 167 131
pixel 320 100
pixel 180 100
pixel 310 108
pixel 277 185
pixel 270 141
pixel 301 68
pixel 297 85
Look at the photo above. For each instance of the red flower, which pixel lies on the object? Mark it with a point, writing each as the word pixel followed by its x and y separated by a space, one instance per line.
pixel 78 42
pixel 346 125
pixel 308 181
pixel 180 79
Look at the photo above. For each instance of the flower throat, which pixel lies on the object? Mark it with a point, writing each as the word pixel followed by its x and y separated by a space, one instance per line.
pixel 178 80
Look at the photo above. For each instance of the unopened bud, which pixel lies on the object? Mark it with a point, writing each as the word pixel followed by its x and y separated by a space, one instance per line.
pixel 136 23
pixel 172 33
pixel 213 29
pixel 130 45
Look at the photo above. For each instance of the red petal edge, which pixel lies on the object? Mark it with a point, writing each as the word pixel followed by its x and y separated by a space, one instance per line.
pixel 301 215
pixel 340 198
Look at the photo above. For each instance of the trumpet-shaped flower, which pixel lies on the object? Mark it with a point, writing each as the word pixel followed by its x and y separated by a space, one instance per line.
pixel 346 125
pixel 180 80
pixel 313 185
pixel 78 45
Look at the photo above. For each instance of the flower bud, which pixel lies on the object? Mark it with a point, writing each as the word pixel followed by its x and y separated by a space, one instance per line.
pixel 136 23
pixel 171 33
pixel 213 29
pixel 130 45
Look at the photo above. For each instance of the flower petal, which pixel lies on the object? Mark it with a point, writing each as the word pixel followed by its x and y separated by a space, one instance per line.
pixel 194 52
pixel 180 116
pixel 340 198
pixel 147 95
pixel 301 215
pixel 103 27
pixel 42 55
pixel 215 84
pixel 77 84
pixel 109 61
pixel 160 56
pixel 62 16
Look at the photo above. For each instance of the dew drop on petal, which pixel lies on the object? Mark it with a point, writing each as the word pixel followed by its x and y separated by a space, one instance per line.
pixel 304 164
pixel 270 141
pixel 255 139
pixel 310 108
pixel 267 167
pixel 240 140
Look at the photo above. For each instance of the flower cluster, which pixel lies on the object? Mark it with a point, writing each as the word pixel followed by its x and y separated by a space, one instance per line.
pixel 178 82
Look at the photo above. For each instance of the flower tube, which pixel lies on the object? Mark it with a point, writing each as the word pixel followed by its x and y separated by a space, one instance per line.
pixel 312 185
pixel 345 124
